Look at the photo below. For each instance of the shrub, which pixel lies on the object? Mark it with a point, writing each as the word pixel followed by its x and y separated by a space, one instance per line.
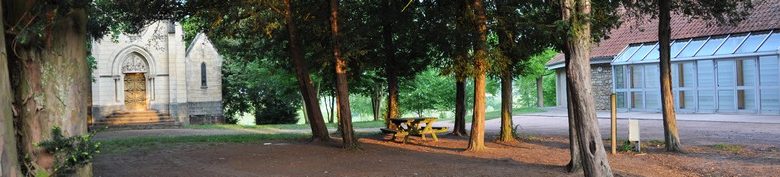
pixel 69 153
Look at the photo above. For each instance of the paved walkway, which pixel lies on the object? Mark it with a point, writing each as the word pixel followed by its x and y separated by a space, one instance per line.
pixel 720 117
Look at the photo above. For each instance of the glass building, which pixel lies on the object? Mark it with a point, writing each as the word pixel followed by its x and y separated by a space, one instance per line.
pixel 733 73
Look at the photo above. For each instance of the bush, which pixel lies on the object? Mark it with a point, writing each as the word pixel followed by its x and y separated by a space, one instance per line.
pixel 275 111
pixel 70 153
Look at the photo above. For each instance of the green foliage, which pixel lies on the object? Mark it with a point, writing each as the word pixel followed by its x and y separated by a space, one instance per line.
pixel 270 109
pixel 428 91
pixel 69 153
pixel 257 87
pixel 626 147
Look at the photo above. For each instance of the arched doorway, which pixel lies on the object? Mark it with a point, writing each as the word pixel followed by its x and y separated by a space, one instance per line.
pixel 134 69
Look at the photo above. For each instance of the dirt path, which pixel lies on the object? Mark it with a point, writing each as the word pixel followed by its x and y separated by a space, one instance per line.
pixel 545 156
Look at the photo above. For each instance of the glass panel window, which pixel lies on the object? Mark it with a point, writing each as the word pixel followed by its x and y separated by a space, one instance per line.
pixel 746 99
pixel 706 100
pixel 652 99
pixel 621 99
pixel 682 75
pixel 731 44
pixel 652 76
pixel 752 42
pixel 677 46
pixel 636 76
pixel 746 72
pixel 726 74
pixel 653 55
pixel 770 100
pixel 771 44
pixel 769 71
pixel 642 51
pixel 692 47
pixel 627 53
pixel 686 99
pixel 620 77
pixel 726 100
pixel 711 45
pixel 705 74
pixel 636 100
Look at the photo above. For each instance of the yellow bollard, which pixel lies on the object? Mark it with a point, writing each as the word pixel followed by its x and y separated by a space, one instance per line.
pixel 613 118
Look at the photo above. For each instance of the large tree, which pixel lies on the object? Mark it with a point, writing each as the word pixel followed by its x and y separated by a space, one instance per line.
pixel 310 99
pixel 477 138
pixel 575 15
pixel 342 87
pixel 723 12
pixel 8 151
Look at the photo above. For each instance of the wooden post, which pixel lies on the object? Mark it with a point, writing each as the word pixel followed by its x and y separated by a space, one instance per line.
pixel 613 118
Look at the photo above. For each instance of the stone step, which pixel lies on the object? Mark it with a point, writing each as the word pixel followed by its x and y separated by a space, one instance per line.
pixel 136 114
pixel 122 121
pixel 136 120
pixel 134 126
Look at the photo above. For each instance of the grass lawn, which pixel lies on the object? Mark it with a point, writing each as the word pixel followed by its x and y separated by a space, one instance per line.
pixel 497 113
pixel 156 142
pixel 368 124
pixel 140 143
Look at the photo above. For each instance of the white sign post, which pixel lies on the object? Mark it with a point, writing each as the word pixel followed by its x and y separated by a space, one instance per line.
pixel 633 133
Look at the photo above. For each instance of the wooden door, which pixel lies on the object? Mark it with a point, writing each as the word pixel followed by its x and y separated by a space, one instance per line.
pixel 135 92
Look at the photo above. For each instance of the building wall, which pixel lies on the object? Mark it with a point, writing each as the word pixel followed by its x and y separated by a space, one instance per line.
pixel 204 100
pixel 601 79
pixel 162 47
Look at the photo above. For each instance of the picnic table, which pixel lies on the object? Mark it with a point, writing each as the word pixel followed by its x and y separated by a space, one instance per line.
pixel 413 126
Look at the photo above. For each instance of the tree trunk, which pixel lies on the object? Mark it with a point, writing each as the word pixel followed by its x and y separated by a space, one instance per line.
pixel 305 115
pixel 460 108
pixel 477 139
pixel 671 137
pixel 332 108
pixel 50 86
pixel 317 124
pixel 8 152
pixel 506 39
pixel 575 162
pixel 506 134
pixel 342 87
pixel 594 157
pixel 390 65
pixel 539 92
pixel 375 103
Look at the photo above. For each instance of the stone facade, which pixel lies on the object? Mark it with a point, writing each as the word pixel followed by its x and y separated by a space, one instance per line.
pixel 169 70
pixel 601 78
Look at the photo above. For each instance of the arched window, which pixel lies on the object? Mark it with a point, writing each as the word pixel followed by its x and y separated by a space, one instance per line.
pixel 203 75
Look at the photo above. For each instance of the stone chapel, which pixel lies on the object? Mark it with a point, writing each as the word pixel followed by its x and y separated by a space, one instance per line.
pixel 151 79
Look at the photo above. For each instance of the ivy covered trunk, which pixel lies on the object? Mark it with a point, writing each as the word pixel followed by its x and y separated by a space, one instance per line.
pixel 671 137
pixel 342 87
pixel 582 110
pixel 8 153
pixel 390 65
pixel 317 124
pixel 506 134
pixel 459 128
pixel 50 82
pixel 477 139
